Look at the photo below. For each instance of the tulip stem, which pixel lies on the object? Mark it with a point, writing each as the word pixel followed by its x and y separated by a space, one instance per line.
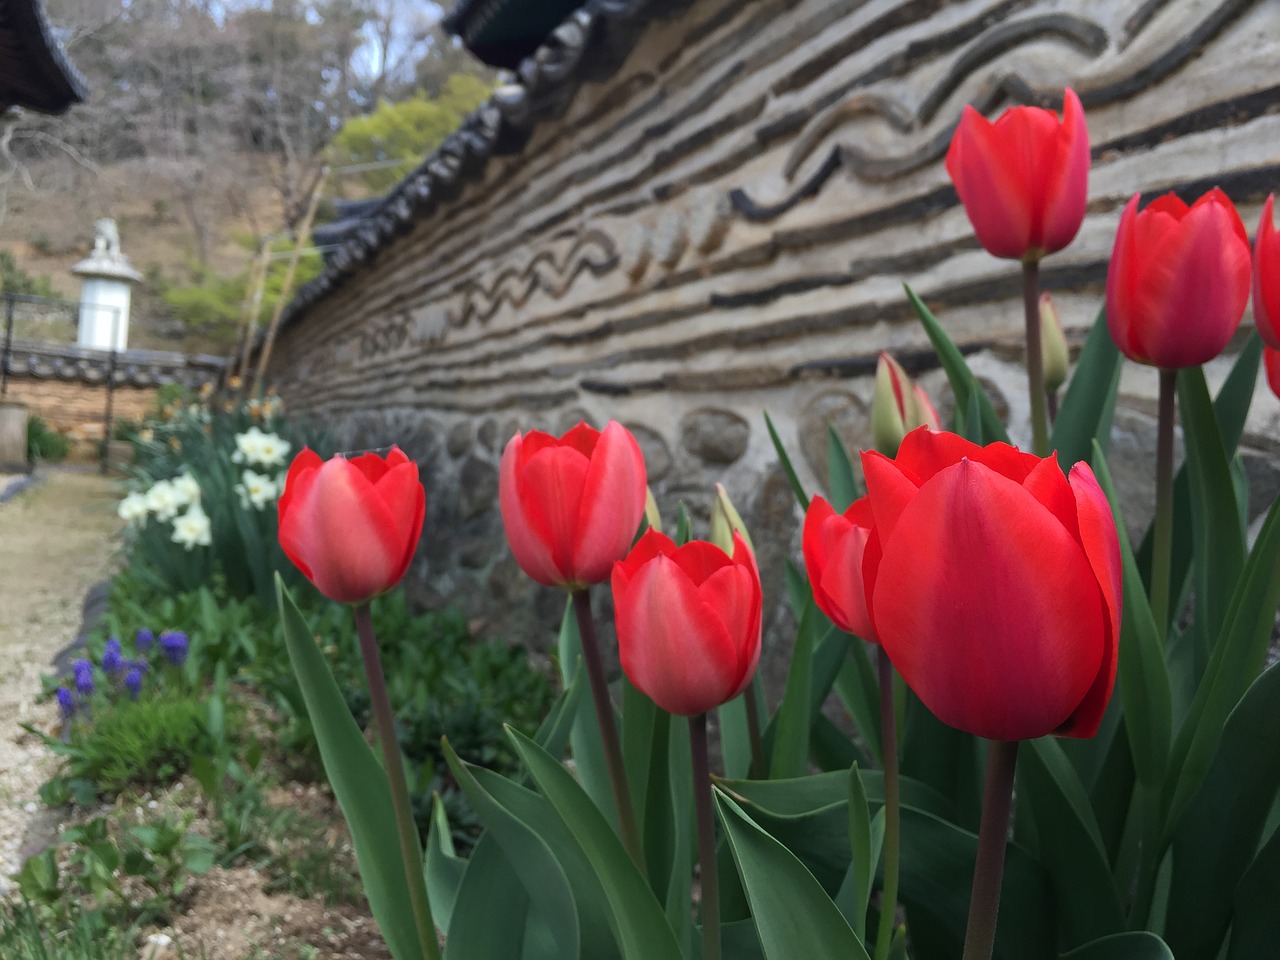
pixel 608 727
pixel 410 847
pixel 1162 539
pixel 1035 359
pixel 892 808
pixel 993 835
pixel 710 911
pixel 752 699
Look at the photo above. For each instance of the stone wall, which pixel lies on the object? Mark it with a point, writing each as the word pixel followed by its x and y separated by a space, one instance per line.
pixel 721 225
pixel 76 409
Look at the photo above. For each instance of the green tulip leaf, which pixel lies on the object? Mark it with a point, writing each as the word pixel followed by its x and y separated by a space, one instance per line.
pixel 783 458
pixel 964 385
pixel 359 785
pixel 735 735
pixel 790 756
pixel 1123 946
pixel 1255 927
pixel 793 915
pixel 1237 658
pixel 473 934
pixel 949 760
pixel 529 855
pixel 1143 677
pixel 1215 840
pixel 805 796
pixel 840 476
pixel 444 868
pixel 556 728
pixel 1087 409
pixel 864 845
pixel 584 738
pixel 858 690
pixel 1069 843
pixel 739 940
pixel 681 834
pixel 640 924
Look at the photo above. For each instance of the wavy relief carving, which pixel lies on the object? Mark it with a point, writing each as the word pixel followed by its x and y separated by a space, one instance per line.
pixel 1002 86
pixel 593 251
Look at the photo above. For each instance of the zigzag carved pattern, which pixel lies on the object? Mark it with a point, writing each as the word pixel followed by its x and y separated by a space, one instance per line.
pixel 1001 87
pixel 592 251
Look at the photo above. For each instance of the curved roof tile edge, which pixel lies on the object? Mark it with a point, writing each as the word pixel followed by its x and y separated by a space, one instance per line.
pixel 500 126
pixel 57 66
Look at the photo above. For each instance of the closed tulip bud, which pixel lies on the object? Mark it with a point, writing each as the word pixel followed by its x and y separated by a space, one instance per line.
pixel 688 621
pixel 993 583
pixel 351 526
pixel 1178 280
pixel 1024 179
pixel 1053 345
pixel 1266 277
pixel 1271 361
pixel 651 515
pixel 571 505
pixel 726 521
pixel 898 406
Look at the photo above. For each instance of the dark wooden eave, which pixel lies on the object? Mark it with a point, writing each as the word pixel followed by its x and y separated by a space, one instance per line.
pixel 503 32
pixel 34 71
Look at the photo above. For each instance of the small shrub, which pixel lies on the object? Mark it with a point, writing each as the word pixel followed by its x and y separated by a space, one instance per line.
pixel 45 443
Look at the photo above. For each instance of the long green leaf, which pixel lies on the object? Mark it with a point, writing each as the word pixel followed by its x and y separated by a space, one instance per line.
pixel 864 847
pixel 473 934
pixel 840 476
pixel 793 914
pixel 1087 408
pixel 784 458
pixel 858 690
pixel 1216 838
pixel 359 785
pixel 588 748
pixel 640 923
pixel 530 857
pixel 791 742
pixel 680 841
pixel 968 391
pixel 1236 660
pixel 1142 675
pixel 1255 928
pixel 444 868
pixel 1123 946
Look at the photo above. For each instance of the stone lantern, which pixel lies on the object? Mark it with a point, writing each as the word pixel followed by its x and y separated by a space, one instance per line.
pixel 105 292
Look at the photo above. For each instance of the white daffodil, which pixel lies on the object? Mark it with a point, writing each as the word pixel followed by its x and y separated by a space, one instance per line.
pixel 192 528
pixel 263 449
pixel 186 489
pixel 256 490
pixel 163 500
pixel 133 509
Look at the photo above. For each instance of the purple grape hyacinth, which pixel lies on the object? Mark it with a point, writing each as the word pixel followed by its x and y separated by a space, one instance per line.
pixel 133 680
pixel 66 703
pixel 112 657
pixel 143 640
pixel 82 674
pixel 173 644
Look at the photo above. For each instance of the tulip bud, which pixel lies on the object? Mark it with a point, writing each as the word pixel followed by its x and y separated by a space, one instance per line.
pixel 1271 362
pixel 898 407
pixel 651 515
pixel 1053 345
pixel 726 521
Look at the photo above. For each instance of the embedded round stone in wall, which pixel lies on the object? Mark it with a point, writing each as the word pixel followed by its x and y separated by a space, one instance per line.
pixel 488 433
pixel 458 441
pixel 423 443
pixel 571 418
pixel 477 487
pixel 715 436
pixel 478 552
pixel 850 416
pixel 657 455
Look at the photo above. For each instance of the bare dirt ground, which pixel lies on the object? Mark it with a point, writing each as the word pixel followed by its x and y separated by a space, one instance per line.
pixel 56 541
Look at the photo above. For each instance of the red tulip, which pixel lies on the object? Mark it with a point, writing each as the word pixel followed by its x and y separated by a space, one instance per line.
pixel 351 526
pixel 688 621
pixel 1178 281
pixel 1266 277
pixel 1271 361
pixel 997 592
pixel 571 507
pixel 834 546
pixel 1023 180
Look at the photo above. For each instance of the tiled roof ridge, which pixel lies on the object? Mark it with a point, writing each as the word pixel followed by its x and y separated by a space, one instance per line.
pixel 540 89
pixel 48 50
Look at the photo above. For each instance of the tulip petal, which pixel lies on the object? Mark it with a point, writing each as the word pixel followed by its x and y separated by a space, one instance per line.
pixel 985 170
pixel 610 505
pixel 1049 486
pixel 1266 277
pixel 834 547
pixel 993 640
pixel 299 475
pixel 889 488
pixel 680 657
pixel 1066 186
pixel 531 550
pixel 732 595
pixel 401 491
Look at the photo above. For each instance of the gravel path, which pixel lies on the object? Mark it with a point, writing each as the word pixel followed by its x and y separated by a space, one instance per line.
pixel 56 541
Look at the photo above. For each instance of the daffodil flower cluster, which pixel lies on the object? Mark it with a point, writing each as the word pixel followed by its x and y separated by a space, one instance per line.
pixel 176 500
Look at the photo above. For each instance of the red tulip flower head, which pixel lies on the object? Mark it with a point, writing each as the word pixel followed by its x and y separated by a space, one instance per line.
pixel 571 506
pixel 1178 280
pixel 1271 362
pixel 351 526
pixel 997 591
pixel 1024 179
pixel 1266 278
pixel 835 546
pixel 688 621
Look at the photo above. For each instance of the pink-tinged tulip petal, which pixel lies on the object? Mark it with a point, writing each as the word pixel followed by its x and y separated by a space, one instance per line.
pixel 1049 486
pixel 925 409
pixel 1178 281
pixel 612 503
pixel 688 621
pixel 1023 180
pixel 1271 362
pixel 1001 643
pixel 1266 277
pixel 571 505
pixel 1102 548
pixel 351 537
pixel 834 546
pixel 890 489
